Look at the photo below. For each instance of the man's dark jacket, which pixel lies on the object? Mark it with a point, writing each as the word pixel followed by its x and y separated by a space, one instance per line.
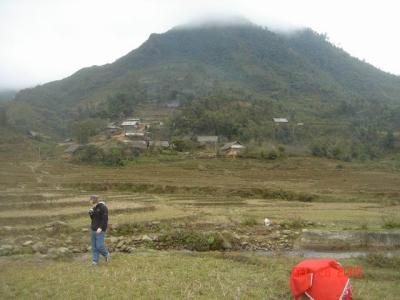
pixel 99 216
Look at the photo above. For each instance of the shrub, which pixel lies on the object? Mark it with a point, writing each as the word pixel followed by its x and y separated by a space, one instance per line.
pixel 181 145
pixel 272 155
pixel 297 223
pixel 391 223
pixel 197 242
pixel 305 197
pixel 190 240
pixel 118 155
pixel 319 150
pixel 336 152
pixel 114 157
pixel 215 241
pixel 85 129
pixel 249 221
pixel 88 154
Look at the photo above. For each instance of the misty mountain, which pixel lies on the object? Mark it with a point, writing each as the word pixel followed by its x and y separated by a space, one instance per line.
pixel 7 95
pixel 299 75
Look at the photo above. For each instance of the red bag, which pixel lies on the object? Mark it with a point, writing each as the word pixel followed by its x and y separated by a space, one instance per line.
pixel 320 279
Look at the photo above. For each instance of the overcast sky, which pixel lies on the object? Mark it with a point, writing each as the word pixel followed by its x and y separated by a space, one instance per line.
pixel 44 40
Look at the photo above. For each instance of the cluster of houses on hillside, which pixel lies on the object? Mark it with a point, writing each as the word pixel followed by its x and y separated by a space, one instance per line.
pixel 135 132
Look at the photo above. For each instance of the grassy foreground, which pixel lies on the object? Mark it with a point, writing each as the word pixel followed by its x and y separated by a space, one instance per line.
pixel 175 275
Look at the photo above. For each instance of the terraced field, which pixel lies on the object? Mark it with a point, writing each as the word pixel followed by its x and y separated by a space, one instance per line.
pixel 170 205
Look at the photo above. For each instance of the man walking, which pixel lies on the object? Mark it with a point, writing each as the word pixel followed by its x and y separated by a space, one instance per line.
pixel 99 215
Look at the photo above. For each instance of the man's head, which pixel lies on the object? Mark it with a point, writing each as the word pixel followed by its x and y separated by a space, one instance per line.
pixel 94 199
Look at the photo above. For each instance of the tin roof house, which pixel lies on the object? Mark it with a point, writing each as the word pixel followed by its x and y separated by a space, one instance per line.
pixel 113 129
pixel 130 122
pixel 132 128
pixel 280 120
pixel 232 149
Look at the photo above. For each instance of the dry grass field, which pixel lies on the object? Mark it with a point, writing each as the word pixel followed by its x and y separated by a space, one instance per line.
pixel 176 275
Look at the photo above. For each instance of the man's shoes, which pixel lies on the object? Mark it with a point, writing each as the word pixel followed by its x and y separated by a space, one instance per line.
pixel 94 264
pixel 107 258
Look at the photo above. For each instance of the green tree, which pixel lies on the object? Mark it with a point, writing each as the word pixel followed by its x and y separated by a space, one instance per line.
pixel 388 142
pixel 120 105
pixel 83 130
pixel 3 116
pixel 89 154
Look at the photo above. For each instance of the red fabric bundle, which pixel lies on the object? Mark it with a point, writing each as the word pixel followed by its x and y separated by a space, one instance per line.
pixel 320 279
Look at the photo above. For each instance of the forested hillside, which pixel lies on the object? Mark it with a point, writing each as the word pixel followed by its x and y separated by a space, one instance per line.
pixel 230 80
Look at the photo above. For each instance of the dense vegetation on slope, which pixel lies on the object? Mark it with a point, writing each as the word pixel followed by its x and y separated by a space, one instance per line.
pixel 231 80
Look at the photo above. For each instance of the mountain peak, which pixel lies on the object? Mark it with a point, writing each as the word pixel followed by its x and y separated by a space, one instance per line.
pixel 230 56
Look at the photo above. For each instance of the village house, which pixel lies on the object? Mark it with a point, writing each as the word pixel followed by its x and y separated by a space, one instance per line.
pixel 113 129
pixel 130 125
pixel 232 149
pixel 33 134
pixel 280 120
pixel 140 145
pixel 134 129
pixel 207 139
pixel 135 134
pixel 160 144
pixel 131 122
pixel 281 126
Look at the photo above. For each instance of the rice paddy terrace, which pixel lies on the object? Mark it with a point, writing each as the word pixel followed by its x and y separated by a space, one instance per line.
pixel 214 208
